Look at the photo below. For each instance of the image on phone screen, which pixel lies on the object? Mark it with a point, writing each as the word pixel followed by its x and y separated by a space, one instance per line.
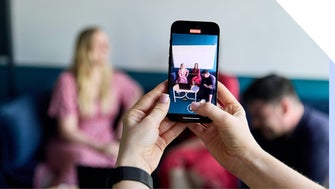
pixel 193 67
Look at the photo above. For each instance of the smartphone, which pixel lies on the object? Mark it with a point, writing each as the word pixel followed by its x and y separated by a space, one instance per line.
pixel 193 68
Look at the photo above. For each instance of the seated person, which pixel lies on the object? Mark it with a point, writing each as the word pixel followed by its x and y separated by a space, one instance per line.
pixel 86 102
pixel 188 163
pixel 207 86
pixel 296 134
pixel 182 74
pixel 195 75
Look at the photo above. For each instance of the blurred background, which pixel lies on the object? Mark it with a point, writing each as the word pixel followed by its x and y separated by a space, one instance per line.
pixel 257 37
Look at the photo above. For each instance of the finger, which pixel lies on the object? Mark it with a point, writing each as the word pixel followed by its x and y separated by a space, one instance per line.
pixel 138 111
pixel 169 135
pixel 197 129
pixel 201 131
pixel 165 125
pixel 225 97
pixel 159 111
pixel 209 110
pixel 146 102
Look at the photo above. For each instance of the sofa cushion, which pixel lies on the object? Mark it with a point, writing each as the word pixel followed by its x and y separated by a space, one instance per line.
pixel 21 132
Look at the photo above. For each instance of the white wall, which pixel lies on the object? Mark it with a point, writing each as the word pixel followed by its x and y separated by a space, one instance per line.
pixel 257 36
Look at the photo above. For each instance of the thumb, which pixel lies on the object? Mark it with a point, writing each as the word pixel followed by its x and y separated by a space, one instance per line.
pixel 160 110
pixel 209 110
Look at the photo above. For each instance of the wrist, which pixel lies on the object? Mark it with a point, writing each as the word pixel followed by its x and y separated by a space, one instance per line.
pixel 132 157
pixel 248 163
pixel 132 161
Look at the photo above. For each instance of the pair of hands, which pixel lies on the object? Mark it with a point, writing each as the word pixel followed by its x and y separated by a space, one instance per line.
pixel 147 131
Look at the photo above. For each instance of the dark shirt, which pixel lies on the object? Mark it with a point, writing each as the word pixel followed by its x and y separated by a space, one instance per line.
pixel 207 81
pixel 306 149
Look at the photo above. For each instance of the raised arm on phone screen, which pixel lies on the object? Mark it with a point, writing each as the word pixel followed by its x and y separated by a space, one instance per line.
pixel 147 132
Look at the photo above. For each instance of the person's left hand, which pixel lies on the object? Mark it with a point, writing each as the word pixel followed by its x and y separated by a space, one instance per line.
pixel 147 132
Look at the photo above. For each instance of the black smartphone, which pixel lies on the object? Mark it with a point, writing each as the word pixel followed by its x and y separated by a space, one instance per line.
pixel 193 68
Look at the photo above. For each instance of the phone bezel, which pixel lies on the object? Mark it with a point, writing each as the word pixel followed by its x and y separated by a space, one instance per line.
pixel 183 27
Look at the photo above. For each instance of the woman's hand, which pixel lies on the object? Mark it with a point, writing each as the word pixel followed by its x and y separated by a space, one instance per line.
pixel 147 132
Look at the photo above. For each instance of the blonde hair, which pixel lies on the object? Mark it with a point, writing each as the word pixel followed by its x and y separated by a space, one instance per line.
pixel 82 68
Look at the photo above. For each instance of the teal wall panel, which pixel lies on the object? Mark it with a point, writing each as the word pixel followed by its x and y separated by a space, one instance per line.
pixel 31 79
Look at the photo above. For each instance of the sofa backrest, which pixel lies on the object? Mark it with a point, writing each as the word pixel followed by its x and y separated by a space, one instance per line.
pixel 23 125
pixel 33 79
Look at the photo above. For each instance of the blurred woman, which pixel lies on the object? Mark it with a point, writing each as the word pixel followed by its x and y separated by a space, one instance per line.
pixel 86 102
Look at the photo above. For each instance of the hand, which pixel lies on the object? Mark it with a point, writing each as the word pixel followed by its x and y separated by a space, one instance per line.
pixel 228 137
pixel 229 140
pixel 208 86
pixel 147 132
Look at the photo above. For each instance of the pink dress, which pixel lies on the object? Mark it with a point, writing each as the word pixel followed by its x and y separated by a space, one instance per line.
pixel 62 156
pixel 182 76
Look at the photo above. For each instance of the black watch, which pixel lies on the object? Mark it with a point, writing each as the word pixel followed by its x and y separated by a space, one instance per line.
pixel 129 173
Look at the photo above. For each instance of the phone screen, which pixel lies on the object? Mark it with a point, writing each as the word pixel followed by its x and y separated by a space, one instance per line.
pixel 193 68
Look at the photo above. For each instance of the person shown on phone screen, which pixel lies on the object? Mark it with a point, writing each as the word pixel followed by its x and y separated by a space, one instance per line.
pixel 195 75
pixel 207 86
pixel 182 74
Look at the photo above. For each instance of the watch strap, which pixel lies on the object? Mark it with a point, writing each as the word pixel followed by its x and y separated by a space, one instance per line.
pixel 130 173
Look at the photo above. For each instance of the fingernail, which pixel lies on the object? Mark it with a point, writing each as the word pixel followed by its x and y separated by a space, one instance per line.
pixel 195 105
pixel 164 98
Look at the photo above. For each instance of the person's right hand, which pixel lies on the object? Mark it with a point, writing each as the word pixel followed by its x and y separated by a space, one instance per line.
pixel 229 140
pixel 228 137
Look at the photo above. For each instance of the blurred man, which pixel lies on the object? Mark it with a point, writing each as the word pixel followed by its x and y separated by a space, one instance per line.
pixel 286 128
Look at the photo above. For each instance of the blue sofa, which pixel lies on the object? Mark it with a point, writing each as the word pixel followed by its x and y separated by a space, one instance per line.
pixel 25 126
pixel 22 135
